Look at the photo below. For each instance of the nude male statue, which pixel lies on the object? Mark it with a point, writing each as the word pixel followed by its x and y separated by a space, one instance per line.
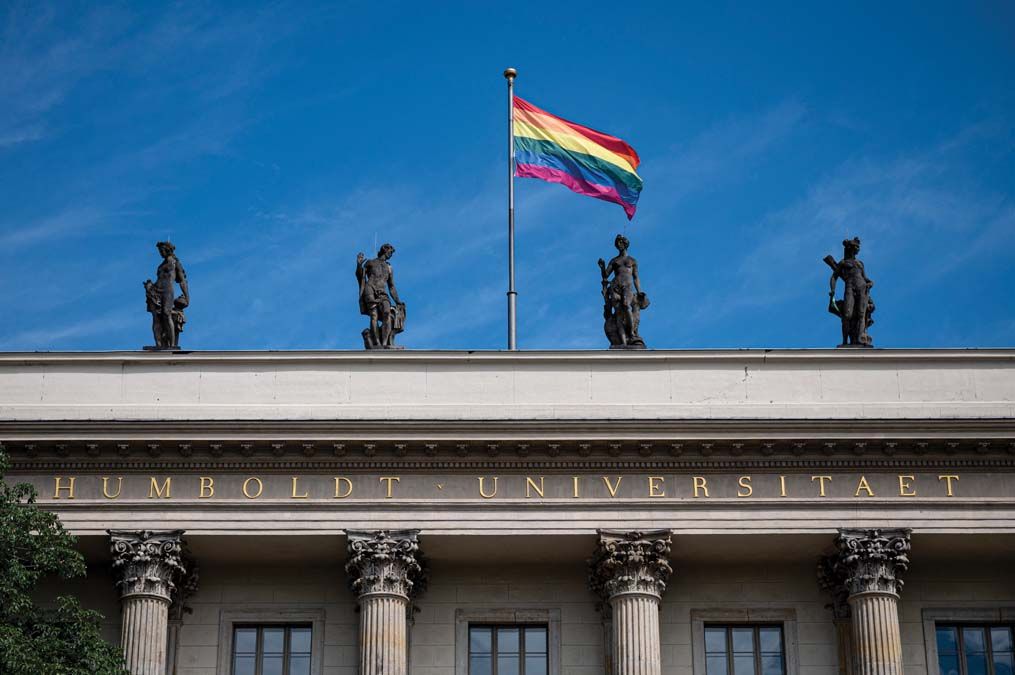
pixel 856 306
pixel 623 298
pixel 387 314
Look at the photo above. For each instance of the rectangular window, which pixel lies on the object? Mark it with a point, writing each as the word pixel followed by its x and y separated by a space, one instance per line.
pixel 967 649
pixel 271 650
pixel 508 650
pixel 744 649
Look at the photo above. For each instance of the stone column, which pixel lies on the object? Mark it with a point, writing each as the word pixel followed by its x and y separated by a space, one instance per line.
pixel 147 566
pixel 869 565
pixel 842 619
pixel 628 571
pixel 386 573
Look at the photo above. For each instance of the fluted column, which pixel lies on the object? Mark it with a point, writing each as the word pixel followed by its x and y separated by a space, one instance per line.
pixel 869 566
pixel 629 571
pixel 147 566
pixel 386 573
pixel 829 578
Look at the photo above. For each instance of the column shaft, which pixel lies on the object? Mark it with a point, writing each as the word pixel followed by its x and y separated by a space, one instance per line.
pixel 636 647
pixel 844 640
pixel 876 641
pixel 144 634
pixel 384 634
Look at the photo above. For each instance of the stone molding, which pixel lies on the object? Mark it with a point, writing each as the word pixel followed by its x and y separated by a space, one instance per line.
pixel 871 561
pixel 147 563
pixel 385 562
pixel 630 562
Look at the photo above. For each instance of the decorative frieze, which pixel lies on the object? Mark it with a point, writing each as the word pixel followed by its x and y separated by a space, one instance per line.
pixel 871 561
pixel 630 562
pixel 146 562
pixel 385 562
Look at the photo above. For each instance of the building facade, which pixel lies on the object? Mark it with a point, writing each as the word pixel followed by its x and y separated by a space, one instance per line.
pixel 817 512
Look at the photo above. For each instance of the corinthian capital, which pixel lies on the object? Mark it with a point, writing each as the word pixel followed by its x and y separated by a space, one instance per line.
pixel 630 562
pixel 385 562
pixel 871 561
pixel 147 563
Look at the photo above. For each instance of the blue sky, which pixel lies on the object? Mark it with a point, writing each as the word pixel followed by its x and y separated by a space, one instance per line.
pixel 274 142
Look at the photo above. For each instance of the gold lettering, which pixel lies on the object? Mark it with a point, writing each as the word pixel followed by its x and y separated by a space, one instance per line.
pixel 529 483
pixel 482 488
pixel 949 480
pixel 782 486
pixel 700 484
pixel 574 482
pixel 390 480
pixel 905 488
pixel 654 488
pixel 296 480
pixel 612 488
pixel 105 487
pixel 821 492
pixel 260 488
pixel 69 487
pixel 207 488
pixel 154 490
pixel 339 481
pixel 863 485
pixel 745 484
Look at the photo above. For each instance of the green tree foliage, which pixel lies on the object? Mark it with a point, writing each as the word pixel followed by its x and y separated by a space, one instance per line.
pixel 62 639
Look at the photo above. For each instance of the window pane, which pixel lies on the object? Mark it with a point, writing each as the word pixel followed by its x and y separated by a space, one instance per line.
pixel 243 665
pixel 299 641
pixel 535 665
pixel 480 665
pixel 480 641
pixel 771 665
pixel 271 665
pixel 535 640
pixel 743 640
pixel 273 640
pixel 976 664
pixel 771 639
pixel 715 640
pixel 1003 664
pixel 947 641
pixel 972 640
pixel 245 641
pixel 507 641
pixel 507 665
pixel 299 665
pixel 715 665
pixel 1000 638
pixel 743 665
pixel 948 664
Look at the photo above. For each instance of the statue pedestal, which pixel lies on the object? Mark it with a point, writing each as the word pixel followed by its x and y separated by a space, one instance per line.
pixel 628 347
pixel 150 348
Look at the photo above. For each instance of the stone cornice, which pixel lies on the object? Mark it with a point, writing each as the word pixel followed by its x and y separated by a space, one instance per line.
pixel 527 356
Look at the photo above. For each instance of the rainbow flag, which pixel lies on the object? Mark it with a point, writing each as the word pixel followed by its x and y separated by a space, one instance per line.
pixel 587 161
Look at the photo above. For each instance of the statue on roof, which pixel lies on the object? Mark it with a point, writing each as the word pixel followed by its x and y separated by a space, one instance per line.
pixel 623 298
pixel 378 299
pixel 856 307
pixel 166 310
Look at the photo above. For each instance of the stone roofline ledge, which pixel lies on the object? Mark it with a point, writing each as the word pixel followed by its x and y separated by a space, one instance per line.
pixel 498 387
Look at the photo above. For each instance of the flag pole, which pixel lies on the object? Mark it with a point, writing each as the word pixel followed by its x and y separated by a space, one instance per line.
pixel 510 75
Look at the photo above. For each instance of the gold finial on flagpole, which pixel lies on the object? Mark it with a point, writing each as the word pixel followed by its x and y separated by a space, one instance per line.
pixel 510 73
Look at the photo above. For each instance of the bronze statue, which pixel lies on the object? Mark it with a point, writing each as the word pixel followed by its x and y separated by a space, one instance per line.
pixel 856 307
pixel 387 315
pixel 167 311
pixel 623 298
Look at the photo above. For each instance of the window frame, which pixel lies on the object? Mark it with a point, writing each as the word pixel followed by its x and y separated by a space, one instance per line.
pixel 229 620
pixel 495 627
pixel 953 616
pixel 784 618
pixel 960 644
pixel 464 618
pixel 259 643
pixel 757 652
